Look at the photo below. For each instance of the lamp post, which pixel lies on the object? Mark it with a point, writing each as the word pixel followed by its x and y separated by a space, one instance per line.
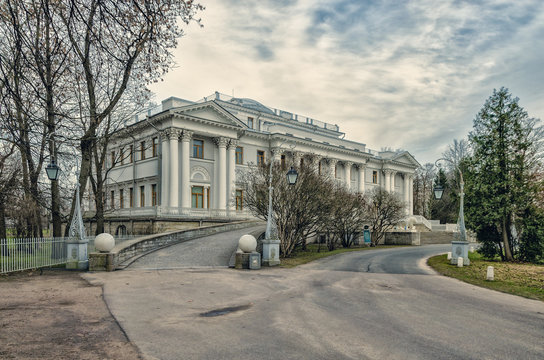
pixel 459 248
pixel 271 246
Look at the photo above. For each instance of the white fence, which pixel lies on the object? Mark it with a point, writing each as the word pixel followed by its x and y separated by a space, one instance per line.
pixel 31 253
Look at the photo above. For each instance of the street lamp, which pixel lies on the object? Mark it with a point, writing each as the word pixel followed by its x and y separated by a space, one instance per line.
pixel 292 176
pixel 52 170
pixel 459 248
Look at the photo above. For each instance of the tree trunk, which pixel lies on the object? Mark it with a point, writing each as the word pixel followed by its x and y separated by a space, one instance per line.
pixel 506 242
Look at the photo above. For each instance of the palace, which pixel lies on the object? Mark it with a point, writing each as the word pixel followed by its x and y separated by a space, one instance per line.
pixel 182 160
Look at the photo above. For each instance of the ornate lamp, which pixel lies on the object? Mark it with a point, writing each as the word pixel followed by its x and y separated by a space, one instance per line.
pixel 292 176
pixel 52 170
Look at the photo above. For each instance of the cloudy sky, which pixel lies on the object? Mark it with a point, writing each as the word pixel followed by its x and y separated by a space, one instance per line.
pixel 400 74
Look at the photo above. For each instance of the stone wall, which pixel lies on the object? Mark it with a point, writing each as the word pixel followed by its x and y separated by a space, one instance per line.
pixel 403 238
pixel 123 253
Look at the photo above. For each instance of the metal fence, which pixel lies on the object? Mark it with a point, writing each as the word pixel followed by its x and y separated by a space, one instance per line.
pixel 31 253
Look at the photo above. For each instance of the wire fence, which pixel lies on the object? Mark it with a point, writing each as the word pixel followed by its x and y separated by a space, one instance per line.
pixel 31 253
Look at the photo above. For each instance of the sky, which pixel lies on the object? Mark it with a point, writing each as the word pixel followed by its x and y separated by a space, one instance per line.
pixel 408 75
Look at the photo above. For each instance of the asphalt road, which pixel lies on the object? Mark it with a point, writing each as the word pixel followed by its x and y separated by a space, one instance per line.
pixel 331 309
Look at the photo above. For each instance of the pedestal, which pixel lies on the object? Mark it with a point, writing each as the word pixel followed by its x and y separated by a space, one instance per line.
pixel 271 252
pixel 76 254
pixel 459 249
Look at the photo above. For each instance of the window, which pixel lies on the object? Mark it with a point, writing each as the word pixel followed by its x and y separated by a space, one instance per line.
pixel 282 162
pixel 198 147
pixel 239 155
pixel 154 195
pixel 374 177
pixel 302 162
pixel 142 196
pixel 197 193
pixel 320 168
pixel 131 153
pixel 112 158
pixel 131 197
pixel 112 200
pixel 239 199
pixel 260 157
pixel 250 122
pixel 121 199
pixel 142 150
pixel 155 146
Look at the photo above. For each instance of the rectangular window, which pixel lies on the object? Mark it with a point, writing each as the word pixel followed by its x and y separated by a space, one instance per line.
pixel 131 153
pixel 250 122
pixel 112 200
pixel 374 177
pixel 260 157
pixel 154 195
pixel 131 197
pixel 239 199
pixel 142 150
pixel 320 168
pixel 121 199
pixel 208 197
pixel 142 196
pixel 198 149
pixel 112 158
pixel 197 195
pixel 155 146
pixel 239 155
pixel 282 162
pixel 301 162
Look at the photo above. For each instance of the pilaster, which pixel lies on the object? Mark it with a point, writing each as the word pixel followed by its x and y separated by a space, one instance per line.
pixel 221 144
pixel 173 138
pixel 186 168
pixel 231 178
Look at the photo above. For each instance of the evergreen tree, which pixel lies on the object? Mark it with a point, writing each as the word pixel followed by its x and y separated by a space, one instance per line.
pixel 499 191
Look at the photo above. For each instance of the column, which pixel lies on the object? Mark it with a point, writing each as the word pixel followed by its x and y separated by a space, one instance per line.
pixel 407 193
pixel 165 169
pixel 231 179
pixel 186 168
pixel 332 168
pixel 173 196
pixel 276 154
pixel 347 170
pixel 315 163
pixel 393 185
pixel 387 180
pixel 222 176
pixel 411 188
pixel 296 159
pixel 362 168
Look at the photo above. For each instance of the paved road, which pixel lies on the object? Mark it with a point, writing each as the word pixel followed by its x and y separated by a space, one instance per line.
pixel 210 251
pixel 311 312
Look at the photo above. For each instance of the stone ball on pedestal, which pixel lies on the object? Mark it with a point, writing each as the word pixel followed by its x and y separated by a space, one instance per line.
pixel 247 243
pixel 104 242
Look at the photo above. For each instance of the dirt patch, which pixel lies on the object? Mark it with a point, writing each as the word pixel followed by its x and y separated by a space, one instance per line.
pixel 58 315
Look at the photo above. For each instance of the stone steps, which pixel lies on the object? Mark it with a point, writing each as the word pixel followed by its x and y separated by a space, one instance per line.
pixel 440 237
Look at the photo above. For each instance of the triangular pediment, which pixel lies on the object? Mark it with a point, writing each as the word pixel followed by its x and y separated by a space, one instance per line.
pixel 210 111
pixel 405 158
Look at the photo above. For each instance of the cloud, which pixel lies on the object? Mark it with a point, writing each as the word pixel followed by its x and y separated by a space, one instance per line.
pixel 406 75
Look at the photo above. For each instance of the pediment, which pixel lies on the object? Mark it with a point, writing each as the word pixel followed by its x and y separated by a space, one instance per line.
pixel 210 111
pixel 406 158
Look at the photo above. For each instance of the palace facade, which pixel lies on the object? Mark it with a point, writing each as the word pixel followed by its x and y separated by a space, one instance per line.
pixel 183 159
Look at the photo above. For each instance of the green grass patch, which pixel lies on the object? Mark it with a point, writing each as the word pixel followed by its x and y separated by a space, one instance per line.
pixel 522 279
pixel 299 256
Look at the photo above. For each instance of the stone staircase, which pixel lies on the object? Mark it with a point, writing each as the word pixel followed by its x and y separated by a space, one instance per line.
pixel 437 237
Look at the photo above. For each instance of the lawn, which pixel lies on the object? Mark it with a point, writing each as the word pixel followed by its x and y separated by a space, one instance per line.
pixel 311 253
pixel 522 279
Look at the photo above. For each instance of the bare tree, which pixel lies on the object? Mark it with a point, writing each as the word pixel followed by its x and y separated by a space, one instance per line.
pixel 384 210
pixel 299 210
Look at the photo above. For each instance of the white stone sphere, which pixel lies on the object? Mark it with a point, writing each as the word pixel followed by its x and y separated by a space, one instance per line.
pixel 411 221
pixel 247 243
pixel 104 242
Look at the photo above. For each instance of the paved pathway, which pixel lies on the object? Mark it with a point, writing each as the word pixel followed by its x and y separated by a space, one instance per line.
pixel 325 310
pixel 209 251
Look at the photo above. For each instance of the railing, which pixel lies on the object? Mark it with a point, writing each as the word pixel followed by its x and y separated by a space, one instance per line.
pixel 31 253
pixel 421 220
pixel 165 211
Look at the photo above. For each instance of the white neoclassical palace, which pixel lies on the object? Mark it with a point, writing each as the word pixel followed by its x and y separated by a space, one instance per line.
pixel 183 159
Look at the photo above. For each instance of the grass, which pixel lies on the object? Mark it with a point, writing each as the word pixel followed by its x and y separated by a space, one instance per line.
pixel 520 279
pixel 299 257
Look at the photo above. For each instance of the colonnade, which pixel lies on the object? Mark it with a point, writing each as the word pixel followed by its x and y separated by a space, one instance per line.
pixel 174 180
